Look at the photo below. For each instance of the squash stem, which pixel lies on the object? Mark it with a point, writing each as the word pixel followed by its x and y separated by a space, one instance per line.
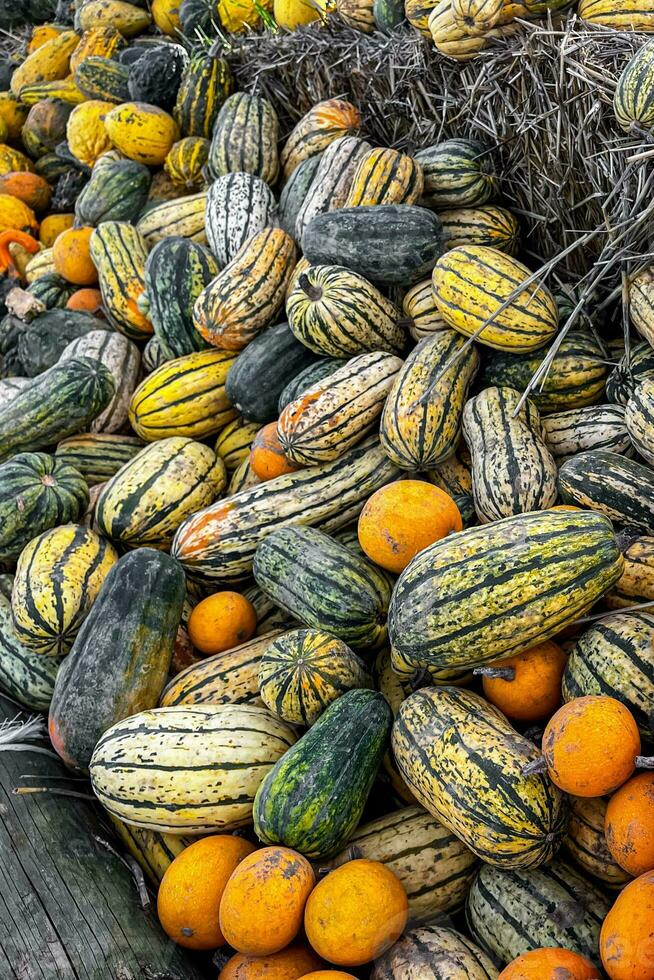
pixel 645 762
pixel 313 292
pixel 537 766
pixel 496 673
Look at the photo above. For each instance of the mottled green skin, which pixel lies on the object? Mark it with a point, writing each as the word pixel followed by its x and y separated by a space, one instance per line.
pixel 53 291
pixel 117 190
pixel 26 676
pixel 310 376
pixel 313 798
pixel 388 14
pixel 176 272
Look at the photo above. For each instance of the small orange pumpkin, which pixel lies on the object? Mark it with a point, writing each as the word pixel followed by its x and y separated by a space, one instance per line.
pixel 222 621
pixel 550 964
pixel 526 687
pixel 72 258
pixel 52 226
pixel 629 824
pixel 87 300
pixel 627 936
pixel 267 459
pixel 29 188
pixel 289 964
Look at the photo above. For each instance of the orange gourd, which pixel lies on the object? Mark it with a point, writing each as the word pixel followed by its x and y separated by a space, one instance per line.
pixel 263 903
pixel 403 518
pixel 289 964
pixel 72 259
pixel 16 216
pixel 7 238
pixel 356 913
pixel 52 226
pixel 87 300
pixel 550 964
pixel 526 687
pixel 267 459
pixel 629 824
pixel 222 621
pixel 627 936
pixel 192 887
pixel 28 187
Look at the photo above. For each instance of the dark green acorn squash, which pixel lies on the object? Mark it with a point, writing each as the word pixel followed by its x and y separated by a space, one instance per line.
pixel 51 167
pixel 199 16
pixel 28 349
pixel 117 191
pixel 157 75
pixel 388 14
pixel 53 291
pixel 310 376
pixel 294 192
pixel 103 78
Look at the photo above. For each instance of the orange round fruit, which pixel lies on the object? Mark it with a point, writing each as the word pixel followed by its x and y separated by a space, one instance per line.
pixel 263 904
pixel 72 258
pixel 191 889
pixel 550 964
pixel 87 300
pixel 222 621
pixel 267 459
pixel 629 824
pixel 356 913
pixel 534 692
pixel 289 964
pixel 627 936
pixel 402 519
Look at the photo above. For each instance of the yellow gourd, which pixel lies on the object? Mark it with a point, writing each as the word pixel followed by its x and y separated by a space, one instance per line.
pixel 142 132
pixel 13 113
pixel 237 15
pixel 12 161
pixel 165 14
pixel 294 13
pixel 48 63
pixel 125 17
pixel 99 42
pixel 86 132
pixel 16 216
pixel 42 33
pixel 52 226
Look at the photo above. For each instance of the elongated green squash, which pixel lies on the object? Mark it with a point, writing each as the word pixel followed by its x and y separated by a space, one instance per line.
pixel 475 597
pixel 176 272
pixel 633 99
pixel 26 676
pixel 313 798
pixel 324 585
pixel 206 83
pixel 464 763
pixel 620 488
pixel 188 770
pixel 121 656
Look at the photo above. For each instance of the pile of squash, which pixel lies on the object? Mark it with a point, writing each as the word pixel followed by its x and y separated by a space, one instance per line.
pixel 346 622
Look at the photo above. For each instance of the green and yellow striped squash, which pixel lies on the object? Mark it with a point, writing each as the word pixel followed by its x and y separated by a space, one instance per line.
pixel 188 770
pixel 331 183
pixel 464 763
pixel 490 225
pixel 181 216
pixel 98 455
pixel 513 471
pixel 433 866
pixel 621 15
pixel 475 596
pixel 41 264
pixel 636 584
pixel 511 912
pixel 421 312
pixel 185 162
pixel 103 78
pixel 166 482
pixel 218 543
pixel 321 125
pixel 639 419
pixel 122 358
pixel 385 176
pixel 184 397
pixel 26 676
pixel 633 99
pixel 421 421
pixel 206 83
pixel 58 577
pixel 615 658
pixel 324 585
pixel 582 429
pixel 230 677
pixel 417 14
pixel 471 285
pixel 449 955
pixel 244 138
pixel 641 299
pixel 65 90
pixel 634 366
pixel 249 292
pixel 336 312
pixel 607 482
pixel 119 253
pixel 152 851
pixel 336 413
pixel 37 492
pixel 458 173
pixel 233 443
pixel 586 841
pixel 303 671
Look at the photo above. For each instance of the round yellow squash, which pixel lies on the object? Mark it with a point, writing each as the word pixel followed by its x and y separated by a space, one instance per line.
pixel 16 216
pixel 165 14
pixel 237 15
pixel 294 13
pixel 125 17
pixel 142 132
pixel 86 130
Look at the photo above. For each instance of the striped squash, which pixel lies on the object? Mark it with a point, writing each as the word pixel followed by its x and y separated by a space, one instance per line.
pixel 147 500
pixel 438 953
pixel 152 851
pixel 336 312
pixel 243 478
pixel 184 397
pixel 230 677
pixel 324 585
pixel 331 184
pixel 218 543
pixel 183 216
pixel 119 253
pixel 434 867
pixel 97 455
pixel 65 90
pixel 103 78
pixel 621 15
pixel 576 377
pixel 58 577
pixel 41 264
pixel 122 359
pixel 26 676
pixel 37 492
pixel 456 43
pixel 188 770
pixel 155 354
pixel 634 366
pixel 249 292
pixel 303 671
pixel 615 658
pixel 454 474
pixel 307 378
pixel 490 603
pixel 336 413
pixel 513 471
pixel 206 83
pixel 463 762
pixel 636 584
pixel 417 14
pixel 244 138
pixel 492 225
pixel 586 842
pixel 633 99
pixel 385 176
pixel 185 162
pixel 239 205
pixel 357 14
pixel 581 429
pixel 607 482
pixel 511 912
pixel 321 125
pixel 458 173
pixel 639 419
pixel 472 283
pixel 421 312
pixel 234 442
pixel 476 16
pixel 295 190
pixel 641 299
pixel 421 422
